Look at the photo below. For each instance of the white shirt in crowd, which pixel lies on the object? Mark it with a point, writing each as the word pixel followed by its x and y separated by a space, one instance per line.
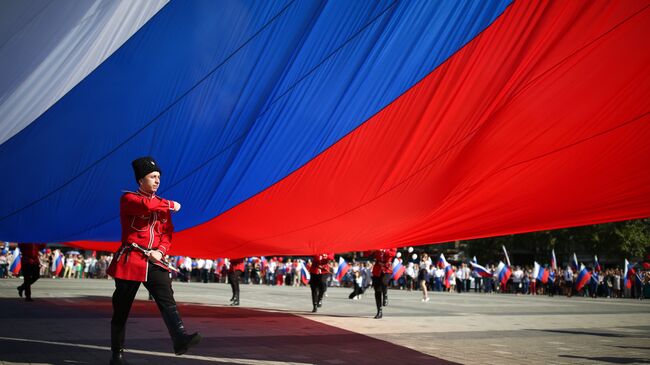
pixel 89 262
pixel 410 271
pixel 460 274
pixel 188 263
pixel 440 273
pixel 200 264
pixel 568 274
pixel 467 273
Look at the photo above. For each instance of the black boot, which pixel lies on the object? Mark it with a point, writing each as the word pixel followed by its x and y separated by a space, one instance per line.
pixel 117 345
pixel 385 304
pixel 378 302
pixel 20 291
pixel 314 300
pixel 117 358
pixel 182 341
pixel 235 301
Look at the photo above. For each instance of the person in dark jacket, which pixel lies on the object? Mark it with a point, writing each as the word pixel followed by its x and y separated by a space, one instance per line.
pixel 30 266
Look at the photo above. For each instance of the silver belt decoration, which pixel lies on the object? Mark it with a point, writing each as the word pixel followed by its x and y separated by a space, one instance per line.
pixel 162 261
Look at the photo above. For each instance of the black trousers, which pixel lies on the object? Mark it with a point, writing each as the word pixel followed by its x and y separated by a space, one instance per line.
pixel 31 273
pixel 159 285
pixel 234 278
pixel 318 285
pixel 357 291
pixel 380 284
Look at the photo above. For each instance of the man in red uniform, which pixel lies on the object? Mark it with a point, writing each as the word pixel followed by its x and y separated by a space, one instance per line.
pixel 30 266
pixel 234 277
pixel 146 222
pixel 381 274
pixel 319 271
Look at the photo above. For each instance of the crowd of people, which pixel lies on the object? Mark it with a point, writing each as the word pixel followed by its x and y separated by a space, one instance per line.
pixel 421 274
pixel 74 265
pixel 608 283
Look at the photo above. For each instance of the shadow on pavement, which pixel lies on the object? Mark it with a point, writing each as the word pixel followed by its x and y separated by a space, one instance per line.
pixel 611 359
pixel 76 330
pixel 587 333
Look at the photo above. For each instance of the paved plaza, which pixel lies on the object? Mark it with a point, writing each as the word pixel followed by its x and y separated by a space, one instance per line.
pixel 69 324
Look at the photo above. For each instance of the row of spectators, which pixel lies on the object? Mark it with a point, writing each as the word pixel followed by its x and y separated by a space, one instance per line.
pixel 609 283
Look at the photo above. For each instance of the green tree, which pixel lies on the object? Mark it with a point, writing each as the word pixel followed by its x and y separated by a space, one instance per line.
pixel 614 241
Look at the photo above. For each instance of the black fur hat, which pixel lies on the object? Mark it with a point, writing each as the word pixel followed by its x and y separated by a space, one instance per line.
pixel 143 166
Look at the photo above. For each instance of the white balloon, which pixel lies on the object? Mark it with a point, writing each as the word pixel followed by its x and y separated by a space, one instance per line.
pixel 415 256
pixel 399 254
pixel 410 249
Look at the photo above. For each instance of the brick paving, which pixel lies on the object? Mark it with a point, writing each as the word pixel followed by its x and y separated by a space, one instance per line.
pixel 69 324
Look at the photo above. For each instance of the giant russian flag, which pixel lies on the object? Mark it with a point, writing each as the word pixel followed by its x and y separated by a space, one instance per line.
pixel 15 263
pixel 342 269
pixel 583 278
pixel 301 127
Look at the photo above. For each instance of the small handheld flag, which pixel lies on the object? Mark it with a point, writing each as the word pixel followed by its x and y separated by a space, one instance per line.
pixel 629 274
pixel 574 262
pixel 506 254
pixel 304 273
pixel 342 269
pixel 583 278
pixel 398 269
pixel 15 264
pixel 480 270
pixel 553 260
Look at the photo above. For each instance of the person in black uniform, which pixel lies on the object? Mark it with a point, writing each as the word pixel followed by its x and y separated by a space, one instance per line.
pixel 319 271
pixel 30 266
pixel 234 278
pixel 381 275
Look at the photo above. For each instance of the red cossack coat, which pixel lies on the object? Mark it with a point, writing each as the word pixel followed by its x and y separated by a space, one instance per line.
pixel 146 220
pixel 236 264
pixel 383 261
pixel 320 264
pixel 29 253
